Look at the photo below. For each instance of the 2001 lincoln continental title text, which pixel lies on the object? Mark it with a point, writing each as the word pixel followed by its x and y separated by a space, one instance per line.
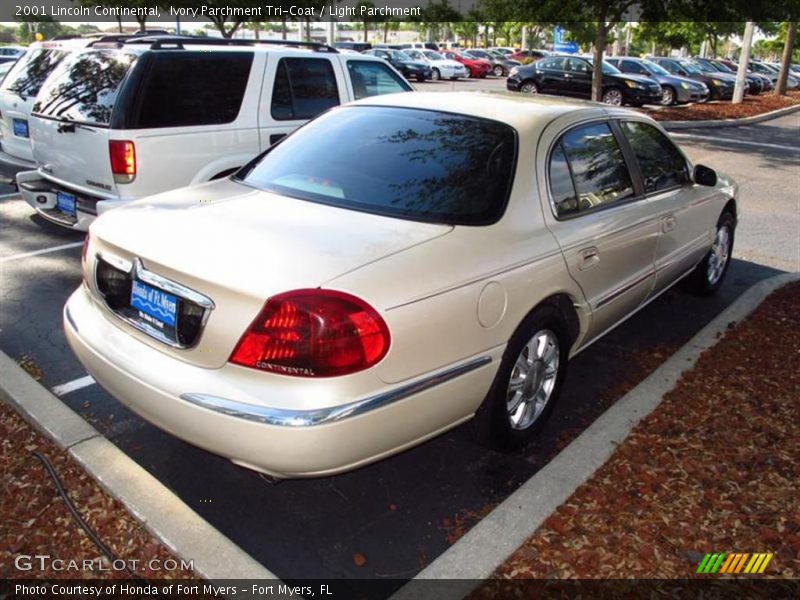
pixel 267 10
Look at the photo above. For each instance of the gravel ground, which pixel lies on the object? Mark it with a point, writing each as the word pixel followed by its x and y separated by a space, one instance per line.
pixel 751 106
pixel 35 520
pixel 715 468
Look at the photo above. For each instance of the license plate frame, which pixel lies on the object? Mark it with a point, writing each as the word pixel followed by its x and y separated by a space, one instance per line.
pixel 21 128
pixel 154 309
pixel 66 203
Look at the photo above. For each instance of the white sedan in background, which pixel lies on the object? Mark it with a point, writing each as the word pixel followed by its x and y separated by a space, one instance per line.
pixel 443 68
pixel 320 309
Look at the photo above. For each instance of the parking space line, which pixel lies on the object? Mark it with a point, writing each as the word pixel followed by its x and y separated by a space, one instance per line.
pixel 733 141
pixel 71 386
pixel 43 251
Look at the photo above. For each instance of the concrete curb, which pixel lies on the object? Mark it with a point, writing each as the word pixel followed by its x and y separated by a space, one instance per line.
pixel 162 513
pixel 676 125
pixel 486 546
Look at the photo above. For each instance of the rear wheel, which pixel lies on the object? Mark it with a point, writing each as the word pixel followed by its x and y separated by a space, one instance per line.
pixel 528 382
pixel 613 97
pixel 498 71
pixel 708 276
pixel 529 87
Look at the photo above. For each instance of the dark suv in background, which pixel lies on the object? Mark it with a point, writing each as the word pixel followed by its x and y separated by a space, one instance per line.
pixel 572 76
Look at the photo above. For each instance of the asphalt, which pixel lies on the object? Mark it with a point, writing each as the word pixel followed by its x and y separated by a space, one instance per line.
pixel 403 512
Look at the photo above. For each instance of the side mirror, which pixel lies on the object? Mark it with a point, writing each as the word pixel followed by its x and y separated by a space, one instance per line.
pixel 705 175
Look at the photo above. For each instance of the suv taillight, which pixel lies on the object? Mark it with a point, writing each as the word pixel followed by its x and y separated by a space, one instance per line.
pixel 313 333
pixel 123 160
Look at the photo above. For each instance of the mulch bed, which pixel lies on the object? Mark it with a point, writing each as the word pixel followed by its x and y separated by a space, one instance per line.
pixel 34 519
pixel 750 107
pixel 715 468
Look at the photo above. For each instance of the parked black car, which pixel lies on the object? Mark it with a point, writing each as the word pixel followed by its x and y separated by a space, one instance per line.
pixel 720 85
pixel 754 85
pixel 676 89
pixel 572 76
pixel 501 66
pixel 403 63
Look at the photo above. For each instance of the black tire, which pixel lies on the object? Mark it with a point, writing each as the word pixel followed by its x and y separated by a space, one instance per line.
pixel 613 96
pixel 436 75
pixel 703 281
pixel 499 71
pixel 421 78
pixel 492 425
pixel 669 96
pixel 529 87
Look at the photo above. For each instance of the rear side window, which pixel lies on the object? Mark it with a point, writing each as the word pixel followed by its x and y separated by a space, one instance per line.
pixel 193 88
pixel 304 87
pixel 599 170
pixel 371 78
pixel 85 87
pixel 26 78
pixel 562 188
pixel 662 164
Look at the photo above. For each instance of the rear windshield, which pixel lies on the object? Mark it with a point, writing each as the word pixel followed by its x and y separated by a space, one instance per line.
pixel 414 164
pixel 26 78
pixel 85 87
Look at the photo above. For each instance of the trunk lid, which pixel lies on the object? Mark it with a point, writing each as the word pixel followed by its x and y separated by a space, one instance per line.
pixel 239 246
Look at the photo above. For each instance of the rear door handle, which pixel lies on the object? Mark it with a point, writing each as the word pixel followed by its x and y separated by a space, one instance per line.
pixel 588 258
pixel 668 223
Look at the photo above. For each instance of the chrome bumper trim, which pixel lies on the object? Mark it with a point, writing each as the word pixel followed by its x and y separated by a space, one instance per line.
pixel 322 416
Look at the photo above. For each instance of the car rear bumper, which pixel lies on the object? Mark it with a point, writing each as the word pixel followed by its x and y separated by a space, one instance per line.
pixel 42 193
pixel 196 405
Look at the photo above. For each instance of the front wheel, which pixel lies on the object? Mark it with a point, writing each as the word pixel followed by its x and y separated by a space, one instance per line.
pixel 436 75
pixel 527 384
pixel 612 97
pixel 667 96
pixel 498 71
pixel 707 276
pixel 529 87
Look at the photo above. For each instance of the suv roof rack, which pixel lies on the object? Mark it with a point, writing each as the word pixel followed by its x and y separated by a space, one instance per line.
pixel 179 42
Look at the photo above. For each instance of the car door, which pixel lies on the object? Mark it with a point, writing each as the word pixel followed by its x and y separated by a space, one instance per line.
pixel 578 78
pixel 607 232
pixel 686 211
pixel 550 75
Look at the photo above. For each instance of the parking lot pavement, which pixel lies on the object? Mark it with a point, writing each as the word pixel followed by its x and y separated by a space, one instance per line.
pixel 400 513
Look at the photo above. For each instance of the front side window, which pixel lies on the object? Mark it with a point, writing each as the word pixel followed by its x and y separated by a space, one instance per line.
pixel 414 164
pixel 195 88
pixel 304 87
pixel 85 87
pixel 27 76
pixel 371 78
pixel 599 170
pixel 576 65
pixel 660 161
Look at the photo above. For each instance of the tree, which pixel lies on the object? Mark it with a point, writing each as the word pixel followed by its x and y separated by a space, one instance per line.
pixel 791 33
pixel 363 8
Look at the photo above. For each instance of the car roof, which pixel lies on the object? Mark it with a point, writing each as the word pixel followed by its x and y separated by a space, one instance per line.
pixel 520 111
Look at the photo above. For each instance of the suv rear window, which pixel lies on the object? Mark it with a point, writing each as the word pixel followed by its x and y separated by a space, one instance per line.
pixel 193 88
pixel 304 87
pixel 85 87
pixel 27 76
pixel 415 164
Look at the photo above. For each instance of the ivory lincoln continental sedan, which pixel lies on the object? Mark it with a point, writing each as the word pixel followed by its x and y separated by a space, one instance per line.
pixel 396 267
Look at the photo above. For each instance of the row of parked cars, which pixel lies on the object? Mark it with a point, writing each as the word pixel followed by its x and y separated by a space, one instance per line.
pixel 637 81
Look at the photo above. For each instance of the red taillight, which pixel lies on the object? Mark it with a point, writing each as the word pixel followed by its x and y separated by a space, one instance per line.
pixel 313 333
pixel 123 158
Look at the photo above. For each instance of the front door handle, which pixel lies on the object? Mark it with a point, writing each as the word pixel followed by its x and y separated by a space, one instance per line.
pixel 668 223
pixel 588 257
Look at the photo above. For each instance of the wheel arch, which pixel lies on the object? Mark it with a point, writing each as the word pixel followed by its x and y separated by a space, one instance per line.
pixel 732 208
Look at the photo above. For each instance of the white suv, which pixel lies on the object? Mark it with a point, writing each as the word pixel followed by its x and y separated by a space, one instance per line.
pixel 123 121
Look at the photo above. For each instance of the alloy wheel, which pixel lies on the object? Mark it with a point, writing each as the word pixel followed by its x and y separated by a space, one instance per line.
pixel 720 253
pixel 613 97
pixel 533 379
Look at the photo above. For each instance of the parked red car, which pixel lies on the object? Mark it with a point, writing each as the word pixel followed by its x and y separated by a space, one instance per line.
pixel 478 67
pixel 530 55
